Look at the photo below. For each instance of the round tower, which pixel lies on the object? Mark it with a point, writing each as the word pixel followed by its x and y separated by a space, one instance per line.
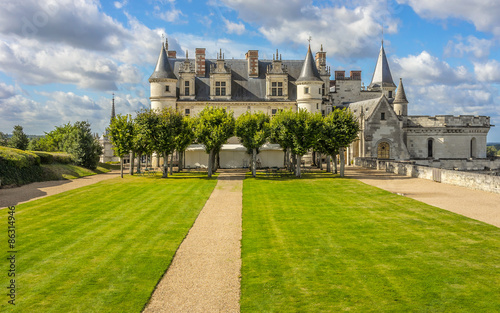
pixel 309 86
pixel 163 84
pixel 400 102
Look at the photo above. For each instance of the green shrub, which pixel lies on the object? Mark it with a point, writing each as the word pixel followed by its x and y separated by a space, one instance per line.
pixel 18 158
pixel 53 157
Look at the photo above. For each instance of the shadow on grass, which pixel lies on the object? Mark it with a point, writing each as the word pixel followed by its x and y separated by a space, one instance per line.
pixel 181 175
pixel 285 176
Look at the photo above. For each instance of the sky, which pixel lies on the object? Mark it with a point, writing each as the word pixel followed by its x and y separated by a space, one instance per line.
pixel 62 60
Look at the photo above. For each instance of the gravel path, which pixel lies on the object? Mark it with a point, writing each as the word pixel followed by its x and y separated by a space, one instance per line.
pixel 17 195
pixel 476 204
pixel 205 273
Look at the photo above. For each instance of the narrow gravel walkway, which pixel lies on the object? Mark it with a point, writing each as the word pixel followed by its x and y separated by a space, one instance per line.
pixel 33 191
pixel 476 204
pixel 205 273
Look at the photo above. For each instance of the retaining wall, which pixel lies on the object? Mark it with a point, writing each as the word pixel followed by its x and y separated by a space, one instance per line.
pixel 465 179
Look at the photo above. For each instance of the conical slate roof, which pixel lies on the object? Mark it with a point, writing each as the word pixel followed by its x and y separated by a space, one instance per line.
pixel 382 75
pixel 309 70
pixel 400 94
pixel 163 68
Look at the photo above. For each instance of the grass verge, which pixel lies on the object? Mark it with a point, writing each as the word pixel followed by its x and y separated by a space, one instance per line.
pixel 104 247
pixel 331 245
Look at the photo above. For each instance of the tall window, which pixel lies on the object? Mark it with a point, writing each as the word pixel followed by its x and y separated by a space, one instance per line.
pixel 220 88
pixel 277 88
pixel 167 88
pixel 186 88
pixel 390 94
pixel 306 89
pixel 430 147
pixel 187 112
pixel 382 116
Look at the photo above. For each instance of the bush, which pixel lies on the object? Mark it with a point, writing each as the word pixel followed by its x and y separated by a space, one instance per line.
pixel 18 158
pixel 50 158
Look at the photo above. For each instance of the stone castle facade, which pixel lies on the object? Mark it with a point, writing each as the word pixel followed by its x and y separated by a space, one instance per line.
pixel 253 84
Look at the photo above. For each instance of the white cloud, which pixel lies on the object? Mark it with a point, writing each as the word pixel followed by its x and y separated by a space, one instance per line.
pixel 119 4
pixel 483 14
pixel 6 91
pixel 488 71
pixel 294 21
pixel 234 28
pixel 479 48
pixel 425 69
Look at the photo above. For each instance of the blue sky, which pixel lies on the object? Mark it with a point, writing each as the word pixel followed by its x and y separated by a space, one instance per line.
pixel 61 60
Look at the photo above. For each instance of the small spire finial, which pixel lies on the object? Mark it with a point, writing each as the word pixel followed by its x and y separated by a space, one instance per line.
pixel 309 39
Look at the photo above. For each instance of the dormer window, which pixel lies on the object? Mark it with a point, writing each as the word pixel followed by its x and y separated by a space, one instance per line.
pixel 186 88
pixel 220 88
pixel 277 89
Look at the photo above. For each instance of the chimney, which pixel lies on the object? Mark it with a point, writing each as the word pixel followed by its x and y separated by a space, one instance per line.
pixel 356 75
pixel 321 59
pixel 172 54
pixel 339 75
pixel 200 62
pixel 252 57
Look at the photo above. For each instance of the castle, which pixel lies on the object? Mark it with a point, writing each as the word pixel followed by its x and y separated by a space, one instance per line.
pixel 253 84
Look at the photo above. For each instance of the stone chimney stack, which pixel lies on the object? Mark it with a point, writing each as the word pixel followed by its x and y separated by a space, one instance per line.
pixel 252 57
pixel 200 62
pixel 321 60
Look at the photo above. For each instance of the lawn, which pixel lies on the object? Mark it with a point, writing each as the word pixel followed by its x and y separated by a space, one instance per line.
pixel 104 247
pixel 333 245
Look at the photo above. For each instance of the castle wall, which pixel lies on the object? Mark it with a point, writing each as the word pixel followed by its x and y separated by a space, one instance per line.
pixel 469 180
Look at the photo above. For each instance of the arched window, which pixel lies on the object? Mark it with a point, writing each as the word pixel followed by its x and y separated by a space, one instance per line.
pixel 383 151
pixel 473 152
pixel 430 148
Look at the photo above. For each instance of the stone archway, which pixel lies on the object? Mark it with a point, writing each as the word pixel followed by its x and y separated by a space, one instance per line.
pixel 383 150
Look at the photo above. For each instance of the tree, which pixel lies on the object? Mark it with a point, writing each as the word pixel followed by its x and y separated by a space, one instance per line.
pixel 491 151
pixel 213 127
pixel 36 144
pixel 85 150
pixel 56 139
pixel 253 131
pixel 184 138
pixel 121 135
pixel 305 129
pixel 281 133
pixel 168 126
pixel 327 142
pixel 4 140
pixel 144 129
pixel 345 128
pixel 19 140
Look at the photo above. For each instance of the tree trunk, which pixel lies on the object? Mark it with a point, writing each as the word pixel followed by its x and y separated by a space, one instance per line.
pixel 254 162
pixel 320 161
pixel 121 167
pixel 217 164
pixel 181 163
pixel 297 173
pixel 314 155
pixel 293 162
pixel 342 162
pixel 139 157
pixel 165 165
pixel 132 157
pixel 328 165
pixel 210 163
pixel 172 163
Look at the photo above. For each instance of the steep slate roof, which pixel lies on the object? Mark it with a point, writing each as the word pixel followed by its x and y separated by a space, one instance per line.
pixel 309 70
pixel 367 106
pixel 400 93
pixel 243 87
pixel 163 68
pixel 382 75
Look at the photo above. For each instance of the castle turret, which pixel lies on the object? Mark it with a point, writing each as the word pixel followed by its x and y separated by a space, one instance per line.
pixel 400 102
pixel 163 84
pixel 309 85
pixel 382 78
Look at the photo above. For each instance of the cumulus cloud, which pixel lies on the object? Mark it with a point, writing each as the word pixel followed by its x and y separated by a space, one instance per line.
pixel 488 71
pixel 234 28
pixel 119 4
pixel 48 21
pixel 6 91
pixel 479 48
pixel 293 21
pixel 483 14
pixel 425 69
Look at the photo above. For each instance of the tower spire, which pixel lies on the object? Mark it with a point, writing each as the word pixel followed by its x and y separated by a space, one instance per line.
pixel 382 75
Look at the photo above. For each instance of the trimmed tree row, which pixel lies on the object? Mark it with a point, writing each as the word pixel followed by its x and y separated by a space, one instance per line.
pixel 297 133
